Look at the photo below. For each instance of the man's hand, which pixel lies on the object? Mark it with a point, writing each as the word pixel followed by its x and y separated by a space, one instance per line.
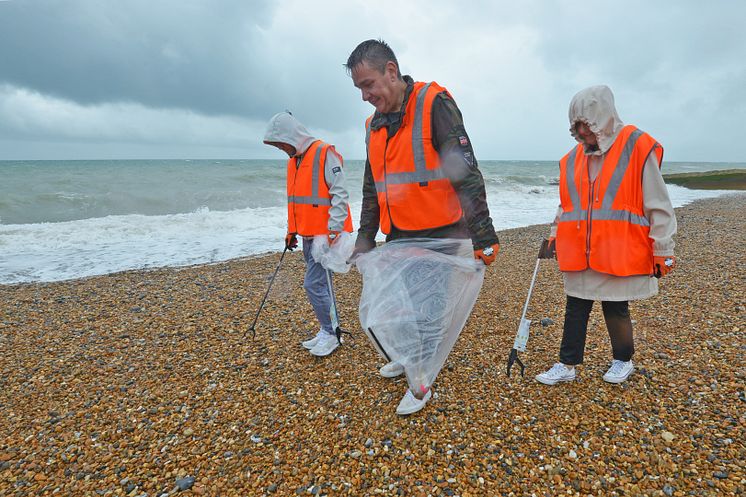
pixel 291 241
pixel 362 246
pixel 488 254
pixel 358 251
pixel 332 237
pixel 548 249
pixel 663 264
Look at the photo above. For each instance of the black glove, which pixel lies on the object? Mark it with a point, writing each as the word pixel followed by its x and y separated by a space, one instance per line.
pixel 291 241
pixel 548 249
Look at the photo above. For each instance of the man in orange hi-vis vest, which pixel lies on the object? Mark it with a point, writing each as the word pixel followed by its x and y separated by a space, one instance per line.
pixel 614 229
pixel 421 178
pixel 318 204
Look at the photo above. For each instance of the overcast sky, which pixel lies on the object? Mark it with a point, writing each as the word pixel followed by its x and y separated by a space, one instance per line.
pixel 99 79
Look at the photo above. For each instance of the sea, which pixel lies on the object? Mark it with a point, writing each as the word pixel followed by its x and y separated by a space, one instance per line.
pixel 62 220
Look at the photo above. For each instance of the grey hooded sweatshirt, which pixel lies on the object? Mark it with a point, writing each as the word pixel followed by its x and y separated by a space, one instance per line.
pixel 285 128
pixel 595 107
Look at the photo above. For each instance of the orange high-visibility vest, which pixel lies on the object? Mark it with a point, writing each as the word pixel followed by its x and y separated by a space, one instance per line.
pixel 308 194
pixel 603 225
pixel 413 191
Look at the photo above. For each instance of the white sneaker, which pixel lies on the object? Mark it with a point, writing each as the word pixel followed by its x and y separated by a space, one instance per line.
pixel 558 372
pixel 326 345
pixel 619 371
pixel 410 404
pixel 309 344
pixel 391 370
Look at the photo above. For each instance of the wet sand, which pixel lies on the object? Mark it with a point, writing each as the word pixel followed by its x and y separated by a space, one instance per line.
pixel 127 383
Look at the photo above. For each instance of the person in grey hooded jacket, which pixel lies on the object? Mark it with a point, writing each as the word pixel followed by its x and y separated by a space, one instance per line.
pixel 317 205
pixel 615 225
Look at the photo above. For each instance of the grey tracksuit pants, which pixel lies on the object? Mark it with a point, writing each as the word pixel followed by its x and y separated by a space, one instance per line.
pixel 317 287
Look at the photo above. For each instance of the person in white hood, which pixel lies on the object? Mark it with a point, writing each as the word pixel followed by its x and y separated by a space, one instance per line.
pixel 614 229
pixel 318 204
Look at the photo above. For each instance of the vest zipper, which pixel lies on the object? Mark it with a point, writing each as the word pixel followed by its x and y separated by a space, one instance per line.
pixel 589 219
pixel 295 180
pixel 385 183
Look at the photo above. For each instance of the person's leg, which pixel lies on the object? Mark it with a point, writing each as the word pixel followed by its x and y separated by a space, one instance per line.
pixel 619 325
pixel 317 288
pixel 575 329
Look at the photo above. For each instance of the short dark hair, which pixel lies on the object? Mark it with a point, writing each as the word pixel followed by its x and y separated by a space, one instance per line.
pixel 376 53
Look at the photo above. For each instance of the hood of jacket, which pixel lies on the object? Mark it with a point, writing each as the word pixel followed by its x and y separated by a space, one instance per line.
pixel 285 128
pixel 594 106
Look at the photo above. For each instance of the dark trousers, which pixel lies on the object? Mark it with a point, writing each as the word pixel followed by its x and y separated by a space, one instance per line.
pixel 618 324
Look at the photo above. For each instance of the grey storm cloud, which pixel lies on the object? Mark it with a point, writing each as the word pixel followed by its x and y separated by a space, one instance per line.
pixel 163 54
pixel 138 75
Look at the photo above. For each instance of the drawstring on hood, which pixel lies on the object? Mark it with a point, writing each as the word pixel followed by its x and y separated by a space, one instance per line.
pixel 594 106
pixel 285 128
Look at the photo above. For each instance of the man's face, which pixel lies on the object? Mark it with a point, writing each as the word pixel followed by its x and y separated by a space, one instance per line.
pixel 378 88
pixel 288 149
pixel 585 134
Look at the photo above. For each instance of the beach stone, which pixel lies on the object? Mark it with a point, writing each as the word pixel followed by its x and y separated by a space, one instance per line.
pixel 546 322
pixel 122 413
pixel 185 483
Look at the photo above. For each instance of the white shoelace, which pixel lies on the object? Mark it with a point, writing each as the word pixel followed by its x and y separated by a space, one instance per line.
pixel 616 367
pixel 557 370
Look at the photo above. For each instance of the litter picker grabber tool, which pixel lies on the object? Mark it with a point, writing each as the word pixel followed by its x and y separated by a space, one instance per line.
pixel 333 310
pixel 521 337
pixel 261 306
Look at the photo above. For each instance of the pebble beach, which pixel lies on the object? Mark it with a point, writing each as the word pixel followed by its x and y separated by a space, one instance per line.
pixel 145 383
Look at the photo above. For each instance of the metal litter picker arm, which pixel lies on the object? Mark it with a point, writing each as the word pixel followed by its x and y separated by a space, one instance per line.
pixel 261 306
pixel 521 338
pixel 333 310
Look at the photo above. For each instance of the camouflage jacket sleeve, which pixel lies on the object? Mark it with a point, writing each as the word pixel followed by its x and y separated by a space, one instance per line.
pixel 369 214
pixel 458 161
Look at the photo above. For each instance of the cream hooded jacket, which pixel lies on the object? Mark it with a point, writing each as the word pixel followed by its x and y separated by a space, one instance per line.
pixel 595 107
pixel 284 128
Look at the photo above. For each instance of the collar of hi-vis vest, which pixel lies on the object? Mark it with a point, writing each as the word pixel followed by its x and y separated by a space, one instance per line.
pixel 316 174
pixel 605 213
pixel 421 174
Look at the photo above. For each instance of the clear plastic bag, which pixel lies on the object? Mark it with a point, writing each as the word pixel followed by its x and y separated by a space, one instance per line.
pixel 417 295
pixel 333 257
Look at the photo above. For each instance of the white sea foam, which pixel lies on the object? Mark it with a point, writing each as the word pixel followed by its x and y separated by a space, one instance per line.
pixel 75 249
pixel 519 194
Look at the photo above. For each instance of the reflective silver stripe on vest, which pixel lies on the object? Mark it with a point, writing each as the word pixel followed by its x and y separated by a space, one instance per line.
pixel 576 214
pixel 619 170
pixel 418 148
pixel 619 215
pixel 605 213
pixel 421 174
pixel 412 177
pixel 367 134
pixel 314 198
pixel 309 200
pixel 315 171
